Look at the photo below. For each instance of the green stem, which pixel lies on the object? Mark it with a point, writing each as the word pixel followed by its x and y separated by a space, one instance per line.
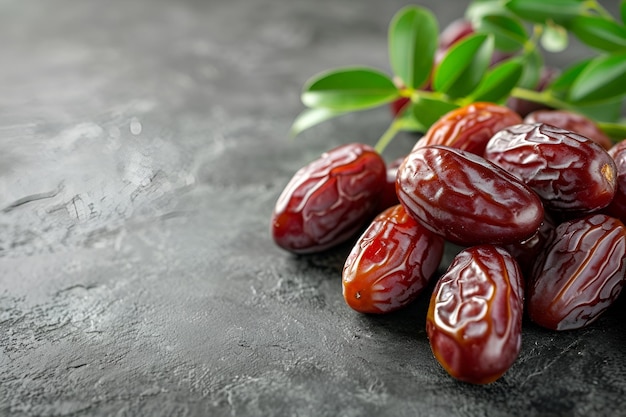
pixel 616 131
pixel 388 136
pixel 543 97
pixel 598 8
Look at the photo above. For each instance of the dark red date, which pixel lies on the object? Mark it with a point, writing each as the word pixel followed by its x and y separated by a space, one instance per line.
pixel 329 200
pixel 469 128
pixel 474 321
pixel 568 171
pixel 573 122
pixel 580 273
pixel 391 263
pixel 465 198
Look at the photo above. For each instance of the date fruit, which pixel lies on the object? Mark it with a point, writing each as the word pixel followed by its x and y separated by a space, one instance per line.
pixel 329 200
pixel 573 122
pixel 580 273
pixel 391 263
pixel 474 321
pixel 470 127
pixel 569 172
pixel 465 198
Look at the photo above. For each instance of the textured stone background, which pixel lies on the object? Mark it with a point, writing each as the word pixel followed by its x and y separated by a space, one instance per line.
pixel 142 147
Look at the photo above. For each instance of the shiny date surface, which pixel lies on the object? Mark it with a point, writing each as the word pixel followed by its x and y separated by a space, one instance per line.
pixel 573 122
pixel 465 198
pixel 329 200
pixel 391 263
pixel 580 273
pixel 469 128
pixel 568 171
pixel 474 321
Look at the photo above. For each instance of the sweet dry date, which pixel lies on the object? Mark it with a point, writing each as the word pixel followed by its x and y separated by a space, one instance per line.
pixel 470 127
pixel 568 171
pixel 391 263
pixel 465 198
pixel 329 200
pixel 580 273
pixel 474 320
pixel 573 122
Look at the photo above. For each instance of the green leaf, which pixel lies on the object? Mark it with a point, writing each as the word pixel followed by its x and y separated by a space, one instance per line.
pixel 554 37
pixel 614 130
pixel 427 111
pixel 509 32
pixel 407 121
pixel 565 80
pixel 478 9
pixel 499 81
pixel 622 9
pixel 464 65
pixel 602 80
pixel 599 33
pixel 602 112
pixel 540 11
pixel 347 89
pixel 311 117
pixel 413 37
pixel 533 64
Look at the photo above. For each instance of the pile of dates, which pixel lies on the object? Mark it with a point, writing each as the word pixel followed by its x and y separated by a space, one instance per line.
pixel 534 205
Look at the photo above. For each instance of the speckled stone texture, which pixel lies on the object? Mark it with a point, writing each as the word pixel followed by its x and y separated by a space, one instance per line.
pixel 142 147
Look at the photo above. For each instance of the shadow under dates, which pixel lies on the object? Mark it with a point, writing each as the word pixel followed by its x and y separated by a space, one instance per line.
pixel 386 360
pixel 579 359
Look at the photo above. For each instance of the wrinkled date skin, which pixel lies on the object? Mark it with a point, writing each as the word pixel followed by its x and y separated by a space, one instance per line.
pixel 573 122
pixel 580 273
pixel 474 321
pixel 329 200
pixel 391 263
pixel 568 171
pixel 469 128
pixel 617 208
pixel 465 198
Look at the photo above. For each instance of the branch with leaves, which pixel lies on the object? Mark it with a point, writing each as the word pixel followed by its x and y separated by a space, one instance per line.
pixel 523 31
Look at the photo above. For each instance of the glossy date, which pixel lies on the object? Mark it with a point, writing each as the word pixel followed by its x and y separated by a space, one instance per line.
pixel 580 273
pixel 474 320
pixel 391 263
pixel 469 128
pixel 573 122
pixel 568 171
pixel 465 198
pixel 329 200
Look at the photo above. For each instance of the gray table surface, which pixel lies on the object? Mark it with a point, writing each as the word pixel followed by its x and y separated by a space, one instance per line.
pixel 143 145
